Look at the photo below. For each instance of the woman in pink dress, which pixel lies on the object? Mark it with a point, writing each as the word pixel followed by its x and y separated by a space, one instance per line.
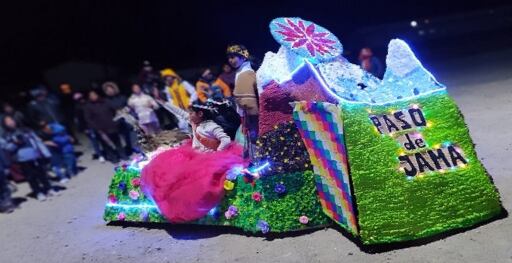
pixel 188 181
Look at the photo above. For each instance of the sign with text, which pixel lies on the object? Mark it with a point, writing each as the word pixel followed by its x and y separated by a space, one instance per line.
pixel 418 157
pixel 399 120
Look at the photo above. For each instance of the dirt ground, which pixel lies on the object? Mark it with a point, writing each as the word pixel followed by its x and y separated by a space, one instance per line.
pixel 69 228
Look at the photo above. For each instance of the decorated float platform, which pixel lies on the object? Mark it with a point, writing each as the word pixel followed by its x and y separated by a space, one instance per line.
pixel 387 160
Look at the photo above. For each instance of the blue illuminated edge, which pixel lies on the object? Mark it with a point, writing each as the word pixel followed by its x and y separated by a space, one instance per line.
pixel 132 206
pixel 306 63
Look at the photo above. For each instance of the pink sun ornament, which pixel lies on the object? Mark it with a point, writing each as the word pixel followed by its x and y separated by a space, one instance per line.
pixel 306 39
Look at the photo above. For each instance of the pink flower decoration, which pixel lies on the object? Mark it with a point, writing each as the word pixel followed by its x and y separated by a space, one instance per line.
pixel 231 212
pixel 121 216
pixel 112 199
pixel 304 220
pixel 134 195
pixel 299 34
pixel 136 182
pixel 256 196
pixel 228 215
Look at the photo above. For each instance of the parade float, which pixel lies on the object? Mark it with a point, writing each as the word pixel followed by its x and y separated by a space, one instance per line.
pixel 388 160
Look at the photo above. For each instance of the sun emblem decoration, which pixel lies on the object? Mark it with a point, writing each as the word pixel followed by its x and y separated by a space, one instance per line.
pixel 306 38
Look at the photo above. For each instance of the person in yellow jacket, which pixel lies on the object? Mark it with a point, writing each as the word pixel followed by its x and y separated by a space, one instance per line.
pixel 246 95
pixel 179 92
pixel 207 87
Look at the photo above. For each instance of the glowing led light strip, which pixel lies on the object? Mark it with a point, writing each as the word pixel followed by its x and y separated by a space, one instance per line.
pixel 261 167
pixel 397 100
pixel 138 206
pixel 443 171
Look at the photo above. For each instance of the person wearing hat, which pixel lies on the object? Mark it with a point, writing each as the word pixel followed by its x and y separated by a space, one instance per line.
pixel 246 95
pixel 179 92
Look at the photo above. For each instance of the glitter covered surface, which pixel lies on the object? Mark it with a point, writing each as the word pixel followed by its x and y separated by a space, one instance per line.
pixel 321 128
pixel 275 99
pixel 306 39
pixel 283 199
pixel 283 149
pixel 349 81
pixel 405 77
pixel 277 67
pixel 274 107
pixel 120 206
pixel 280 210
pixel 391 206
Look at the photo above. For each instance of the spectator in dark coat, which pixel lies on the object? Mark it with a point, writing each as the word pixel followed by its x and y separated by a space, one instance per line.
pixel 147 76
pixel 228 76
pixel 81 124
pixel 8 110
pixel 166 119
pixel 67 106
pixel 6 204
pixel 370 63
pixel 28 150
pixel 99 117
pixel 43 107
pixel 118 102
pixel 60 144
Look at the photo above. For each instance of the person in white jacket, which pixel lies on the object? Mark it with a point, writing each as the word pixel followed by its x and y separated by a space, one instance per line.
pixel 144 107
pixel 207 135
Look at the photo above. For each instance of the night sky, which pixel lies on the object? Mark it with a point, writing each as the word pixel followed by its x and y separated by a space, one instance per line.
pixel 38 35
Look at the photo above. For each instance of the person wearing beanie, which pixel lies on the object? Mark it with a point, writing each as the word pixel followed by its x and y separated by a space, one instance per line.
pixel 179 92
pixel 246 95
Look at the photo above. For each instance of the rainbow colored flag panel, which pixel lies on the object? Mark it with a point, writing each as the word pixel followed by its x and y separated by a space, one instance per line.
pixel 321 128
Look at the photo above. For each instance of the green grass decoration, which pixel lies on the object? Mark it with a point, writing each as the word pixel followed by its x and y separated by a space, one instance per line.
pixel 281 212
pixel 393 207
